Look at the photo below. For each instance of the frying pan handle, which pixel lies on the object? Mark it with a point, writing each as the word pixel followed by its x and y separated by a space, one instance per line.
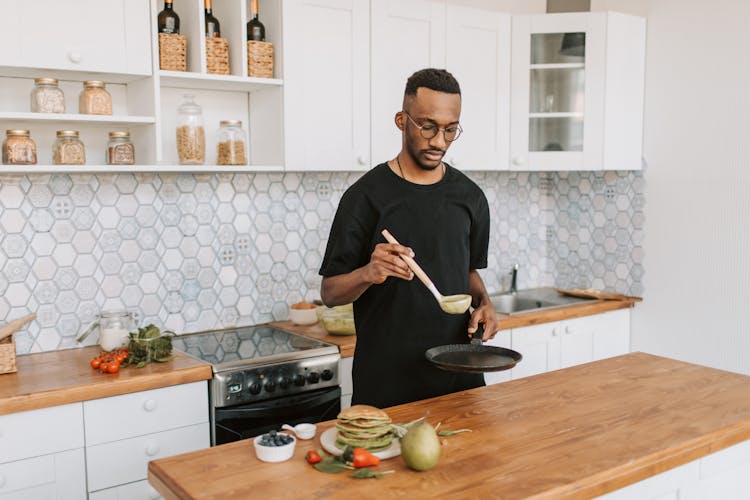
pixel 476 337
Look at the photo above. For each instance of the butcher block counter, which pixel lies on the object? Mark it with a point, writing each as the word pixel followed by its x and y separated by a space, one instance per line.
pixel 573 433
pixel 60 377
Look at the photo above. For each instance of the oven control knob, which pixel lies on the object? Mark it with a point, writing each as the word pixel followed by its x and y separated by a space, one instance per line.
pixel 255 388
pixel 327 374
pixel 270 386
pixel 299 380
pixel 284 383
pixel 313 377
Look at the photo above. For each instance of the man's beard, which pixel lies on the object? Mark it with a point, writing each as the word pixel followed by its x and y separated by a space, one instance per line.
pixel 416 155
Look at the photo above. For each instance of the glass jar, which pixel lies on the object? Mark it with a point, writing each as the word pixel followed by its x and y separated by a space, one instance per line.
pixel 19 148
pixel 68 149
pixel 230 145
pixel 47 97
pixel 114 329
pixel 94 99
pixel 120 151
pixel 191 136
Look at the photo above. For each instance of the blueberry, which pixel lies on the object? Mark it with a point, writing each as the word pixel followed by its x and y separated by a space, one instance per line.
pixel 272 433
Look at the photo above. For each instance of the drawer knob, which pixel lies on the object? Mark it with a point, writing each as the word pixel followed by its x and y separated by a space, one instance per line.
pixel 149 405
pixel 74 56
pixel 554 332
pixel 569 330
pixel 517 160
pixel 362 160
pixel 152 449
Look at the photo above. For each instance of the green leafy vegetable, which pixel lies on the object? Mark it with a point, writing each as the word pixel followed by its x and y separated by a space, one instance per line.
pixel 450 433
pixel 367 473
pixel 149 344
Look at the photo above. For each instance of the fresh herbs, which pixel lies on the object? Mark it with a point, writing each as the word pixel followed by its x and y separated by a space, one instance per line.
pixel 149 344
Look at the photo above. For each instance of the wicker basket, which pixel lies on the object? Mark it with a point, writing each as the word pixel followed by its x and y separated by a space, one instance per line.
pixel 8 355
pixel 217 56
pixel 172 52
pixel 259 59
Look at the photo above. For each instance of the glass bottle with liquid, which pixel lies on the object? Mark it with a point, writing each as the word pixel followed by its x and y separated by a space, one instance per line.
pixel 255 29
pixel 168 20
pixel 212 24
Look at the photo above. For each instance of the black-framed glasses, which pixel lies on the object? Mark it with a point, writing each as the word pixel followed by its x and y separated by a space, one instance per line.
pixel 430 130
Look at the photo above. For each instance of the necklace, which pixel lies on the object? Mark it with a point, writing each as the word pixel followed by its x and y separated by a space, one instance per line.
pixel 398 163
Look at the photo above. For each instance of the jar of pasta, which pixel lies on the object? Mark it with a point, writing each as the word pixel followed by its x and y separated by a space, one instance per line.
pixel 47 97
pixel 94 99
pixel 120 151
pixel 191 136
pixel 19 148
pixel 68 149
pixel 230 143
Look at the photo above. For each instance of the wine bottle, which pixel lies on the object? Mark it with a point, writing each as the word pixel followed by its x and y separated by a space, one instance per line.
pixel 168 20
pixel 212 24
pixel 255 28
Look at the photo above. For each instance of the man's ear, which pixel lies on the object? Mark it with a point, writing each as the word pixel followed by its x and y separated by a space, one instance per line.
pixel 399 120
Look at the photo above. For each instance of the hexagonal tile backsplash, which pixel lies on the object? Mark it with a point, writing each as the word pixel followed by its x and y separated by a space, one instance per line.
pixel 196 252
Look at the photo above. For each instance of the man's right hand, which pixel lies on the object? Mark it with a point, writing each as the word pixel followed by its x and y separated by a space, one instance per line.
pixel 385 261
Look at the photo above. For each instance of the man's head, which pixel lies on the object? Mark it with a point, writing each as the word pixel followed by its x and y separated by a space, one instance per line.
pixel 432 99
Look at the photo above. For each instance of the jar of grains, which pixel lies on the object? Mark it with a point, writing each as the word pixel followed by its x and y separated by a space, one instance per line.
pixel 191 136
pixel 120 151
pixel 94 99
pixel 230 145
pixel 68 149
pixel 19 148
pixel 47 97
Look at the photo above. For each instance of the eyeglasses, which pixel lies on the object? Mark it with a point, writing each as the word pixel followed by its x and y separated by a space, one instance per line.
pixel 430 130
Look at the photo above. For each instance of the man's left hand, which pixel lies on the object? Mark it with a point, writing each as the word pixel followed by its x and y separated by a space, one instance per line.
pixel 486 315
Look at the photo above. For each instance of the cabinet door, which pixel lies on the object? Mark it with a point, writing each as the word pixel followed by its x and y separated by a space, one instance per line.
pixel 576 341
pixel 611 334
pixel 557 113
pixel 478 55
pixel 60 475
pixel 407 35
pixel 540 347
pixel 502 339
pixel 110 36
pixel 326 84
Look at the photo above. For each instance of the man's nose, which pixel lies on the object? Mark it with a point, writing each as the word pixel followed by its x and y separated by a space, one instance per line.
pixel 439 142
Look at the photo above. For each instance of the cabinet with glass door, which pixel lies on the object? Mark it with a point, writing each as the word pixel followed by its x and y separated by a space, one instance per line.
pixel 577 85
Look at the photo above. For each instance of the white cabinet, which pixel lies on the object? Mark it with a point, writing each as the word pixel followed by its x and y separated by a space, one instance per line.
pixel 327 84
pixel 345 381
pixel 502 339
pixel 577 86
pixel 473 44
pixel 139 490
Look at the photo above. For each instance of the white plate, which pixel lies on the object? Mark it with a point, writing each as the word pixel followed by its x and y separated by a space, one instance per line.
pixel 328 442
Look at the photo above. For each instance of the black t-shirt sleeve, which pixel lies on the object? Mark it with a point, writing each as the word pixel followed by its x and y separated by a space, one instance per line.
pixel 346 242
pixel 479 238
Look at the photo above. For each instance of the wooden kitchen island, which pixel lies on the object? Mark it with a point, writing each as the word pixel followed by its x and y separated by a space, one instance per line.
pixel 580 432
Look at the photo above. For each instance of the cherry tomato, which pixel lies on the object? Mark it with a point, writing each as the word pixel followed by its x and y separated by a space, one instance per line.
pixel 95 363
pixel 104 366
pixel 313 457
pixel 113 367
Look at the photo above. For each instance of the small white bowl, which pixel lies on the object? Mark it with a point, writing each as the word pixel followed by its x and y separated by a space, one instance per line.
pixel 302 431
pixel 303 316
pixel 274 453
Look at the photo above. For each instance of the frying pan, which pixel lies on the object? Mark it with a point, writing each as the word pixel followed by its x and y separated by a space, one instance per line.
pixel 473 357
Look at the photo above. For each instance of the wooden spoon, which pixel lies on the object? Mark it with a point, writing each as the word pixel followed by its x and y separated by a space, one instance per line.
pixel 9 329
pixel 452 304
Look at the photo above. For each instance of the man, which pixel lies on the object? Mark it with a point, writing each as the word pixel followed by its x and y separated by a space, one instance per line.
pixel 441 218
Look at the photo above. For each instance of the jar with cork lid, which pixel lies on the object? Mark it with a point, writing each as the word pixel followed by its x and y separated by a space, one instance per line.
pixel 19 148
pixel 120 150
pixel 47 97
pixel 230 145
pixel 94 99
pixel 68 149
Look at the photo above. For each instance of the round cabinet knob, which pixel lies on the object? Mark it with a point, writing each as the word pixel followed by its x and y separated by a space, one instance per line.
pixel 554 332
pixel 75 57
pixel 153 494
pixel 284 383
pixel 152 449
pixel 255 388
pixel 270 386
pixel 299 380
pixel 362 160
pixel 313 377
pixel 149 405
pixel 569 330
pixel 517 160
pixel 327 374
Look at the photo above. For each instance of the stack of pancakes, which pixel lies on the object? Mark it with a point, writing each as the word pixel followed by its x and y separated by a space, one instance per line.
pixel 363 426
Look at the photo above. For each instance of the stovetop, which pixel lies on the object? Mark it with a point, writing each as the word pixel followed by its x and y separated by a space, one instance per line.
pixel 249 346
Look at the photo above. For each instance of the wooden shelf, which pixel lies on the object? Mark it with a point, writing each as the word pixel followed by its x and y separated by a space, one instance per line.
pixel 558 66
pixel 189 80
pixel 78 118
pixel 113 169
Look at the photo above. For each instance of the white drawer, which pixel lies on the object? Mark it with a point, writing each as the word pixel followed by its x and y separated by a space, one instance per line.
pixel 40 432
pixel 139 490
pixel 140 413
pixel 61 475
pixel 126 461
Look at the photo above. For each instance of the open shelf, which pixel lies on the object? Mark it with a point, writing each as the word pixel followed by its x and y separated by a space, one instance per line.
pixel 75 117
pixel 113 169
pixel 556 115
pixel 190 80
pixel 558 66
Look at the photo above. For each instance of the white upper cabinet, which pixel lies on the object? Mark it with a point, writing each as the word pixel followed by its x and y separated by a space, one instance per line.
pixel 109 36
pixel 577 89
pixel 478 55
pixel 327 84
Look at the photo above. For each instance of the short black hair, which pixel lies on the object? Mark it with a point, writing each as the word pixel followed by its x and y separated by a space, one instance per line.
pixel 434 79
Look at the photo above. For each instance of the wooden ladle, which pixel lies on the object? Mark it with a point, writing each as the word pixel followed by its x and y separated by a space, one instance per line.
pixel 452 304
pixel 12 327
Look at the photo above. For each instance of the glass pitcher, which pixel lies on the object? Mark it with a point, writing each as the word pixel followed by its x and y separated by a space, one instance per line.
pixel 114 327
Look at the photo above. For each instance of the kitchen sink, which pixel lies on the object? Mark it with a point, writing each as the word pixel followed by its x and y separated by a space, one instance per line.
pixel 533 299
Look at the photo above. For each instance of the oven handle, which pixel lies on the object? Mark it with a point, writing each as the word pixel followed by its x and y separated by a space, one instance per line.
pixel 301 402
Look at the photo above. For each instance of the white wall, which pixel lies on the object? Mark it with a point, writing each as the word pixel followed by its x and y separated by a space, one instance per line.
pixel 696 136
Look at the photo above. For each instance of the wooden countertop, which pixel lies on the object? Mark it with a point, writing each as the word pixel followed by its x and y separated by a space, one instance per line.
pixel 347 343
pixel 61 377
pixel 573 433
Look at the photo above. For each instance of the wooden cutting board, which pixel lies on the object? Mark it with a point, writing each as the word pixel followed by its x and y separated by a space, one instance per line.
pixel 593 293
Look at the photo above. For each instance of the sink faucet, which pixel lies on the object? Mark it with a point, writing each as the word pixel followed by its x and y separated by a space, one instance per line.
pixel 514 279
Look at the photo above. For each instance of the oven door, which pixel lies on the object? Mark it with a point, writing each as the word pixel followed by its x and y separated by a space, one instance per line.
pixel 232 423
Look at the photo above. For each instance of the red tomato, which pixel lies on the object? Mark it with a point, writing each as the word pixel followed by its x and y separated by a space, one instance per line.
pixel 113 367
pixel 95 363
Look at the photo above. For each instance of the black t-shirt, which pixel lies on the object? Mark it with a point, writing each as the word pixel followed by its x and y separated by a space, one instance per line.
pixel 447 226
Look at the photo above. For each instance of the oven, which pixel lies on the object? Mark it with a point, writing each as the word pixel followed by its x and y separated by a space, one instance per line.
pixel 263 378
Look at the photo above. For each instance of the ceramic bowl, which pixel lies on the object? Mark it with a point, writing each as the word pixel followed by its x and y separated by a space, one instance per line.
pixel 303 316
pixel 274 453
